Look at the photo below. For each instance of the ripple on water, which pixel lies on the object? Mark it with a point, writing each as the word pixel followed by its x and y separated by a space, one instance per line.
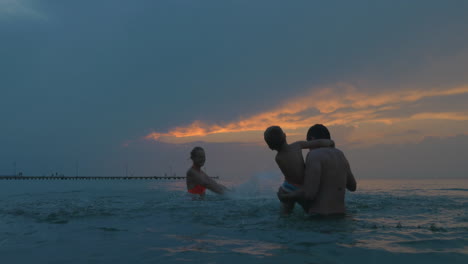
pixel 175 225
pixel 459 245
pixel 452 189
pixel 59 211
pixel 219 244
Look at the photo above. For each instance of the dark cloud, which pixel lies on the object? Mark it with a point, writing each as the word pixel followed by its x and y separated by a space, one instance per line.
pixel 93 74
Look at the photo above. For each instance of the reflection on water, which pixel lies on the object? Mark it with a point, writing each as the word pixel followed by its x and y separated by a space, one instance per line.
pixel 398 244
pixel 169 185
pixel 214 244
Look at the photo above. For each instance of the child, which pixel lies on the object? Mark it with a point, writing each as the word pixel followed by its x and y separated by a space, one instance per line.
pixel 290 161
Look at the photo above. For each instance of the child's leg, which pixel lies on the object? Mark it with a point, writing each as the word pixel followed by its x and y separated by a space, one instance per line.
pixel 286 207
pixel 305 204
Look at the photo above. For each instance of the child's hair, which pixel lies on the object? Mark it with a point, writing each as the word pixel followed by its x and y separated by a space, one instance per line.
pixel 195 149
pixel 274 137
pixel 318 131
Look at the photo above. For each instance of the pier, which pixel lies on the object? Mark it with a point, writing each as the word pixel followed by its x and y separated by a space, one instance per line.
pixel 74 178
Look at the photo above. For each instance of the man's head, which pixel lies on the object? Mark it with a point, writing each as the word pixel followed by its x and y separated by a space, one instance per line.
pixel 318 131
pixel 274 137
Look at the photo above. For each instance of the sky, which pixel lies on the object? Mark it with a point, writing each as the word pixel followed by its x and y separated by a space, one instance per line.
pixel 116 87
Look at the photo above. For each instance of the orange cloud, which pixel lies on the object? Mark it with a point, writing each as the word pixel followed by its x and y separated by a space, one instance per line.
pixel 341 105
pixel 443 116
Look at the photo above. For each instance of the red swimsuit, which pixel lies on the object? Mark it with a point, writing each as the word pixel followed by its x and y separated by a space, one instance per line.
pixel 197 189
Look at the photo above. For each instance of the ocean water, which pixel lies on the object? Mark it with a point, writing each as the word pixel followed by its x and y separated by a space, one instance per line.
pixel 151 221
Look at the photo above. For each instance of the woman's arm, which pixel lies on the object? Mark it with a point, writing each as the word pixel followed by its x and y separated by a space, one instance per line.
pixel 211 184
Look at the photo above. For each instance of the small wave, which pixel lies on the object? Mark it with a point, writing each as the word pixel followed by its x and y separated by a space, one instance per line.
pixel 59 212
pixel 55 218
pixel 111 229
pixel 451 189
pixel 434 245
pixel 218 244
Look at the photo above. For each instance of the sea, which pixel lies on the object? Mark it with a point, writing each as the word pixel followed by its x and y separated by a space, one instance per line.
pixel 157 221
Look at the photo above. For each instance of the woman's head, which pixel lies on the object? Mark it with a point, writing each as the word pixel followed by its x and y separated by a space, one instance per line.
pixel 197 155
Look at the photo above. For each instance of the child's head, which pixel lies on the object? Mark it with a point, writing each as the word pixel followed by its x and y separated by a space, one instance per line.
pixel 274 137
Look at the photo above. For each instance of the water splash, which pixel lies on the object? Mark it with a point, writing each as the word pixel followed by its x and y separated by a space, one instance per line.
pixel 260 185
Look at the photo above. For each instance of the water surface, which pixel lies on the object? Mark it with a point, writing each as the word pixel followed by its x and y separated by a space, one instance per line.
pixel 154 221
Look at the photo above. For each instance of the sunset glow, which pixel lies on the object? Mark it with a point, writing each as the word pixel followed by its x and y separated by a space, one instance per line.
pixel 342 105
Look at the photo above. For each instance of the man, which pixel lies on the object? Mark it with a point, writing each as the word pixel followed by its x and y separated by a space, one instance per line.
pixel 327 176
pixel 290 161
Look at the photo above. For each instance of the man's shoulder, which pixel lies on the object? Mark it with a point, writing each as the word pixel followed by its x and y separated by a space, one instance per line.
pixel 323 153
pixel 325 150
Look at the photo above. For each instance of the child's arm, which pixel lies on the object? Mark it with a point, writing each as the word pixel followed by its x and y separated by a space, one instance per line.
pixel 316 143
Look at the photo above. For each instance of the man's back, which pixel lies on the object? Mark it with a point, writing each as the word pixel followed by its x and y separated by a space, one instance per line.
pixel 327 176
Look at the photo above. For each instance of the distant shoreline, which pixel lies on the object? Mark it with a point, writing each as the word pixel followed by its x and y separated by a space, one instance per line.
pixel 94 177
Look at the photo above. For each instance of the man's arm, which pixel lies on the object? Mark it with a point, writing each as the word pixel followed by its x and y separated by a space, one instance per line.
pixel 350 180
pixel 316 143
pixel 311 185
pixel 291 196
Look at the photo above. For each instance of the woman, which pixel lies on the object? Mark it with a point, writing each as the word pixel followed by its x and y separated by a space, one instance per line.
pixel 197 180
